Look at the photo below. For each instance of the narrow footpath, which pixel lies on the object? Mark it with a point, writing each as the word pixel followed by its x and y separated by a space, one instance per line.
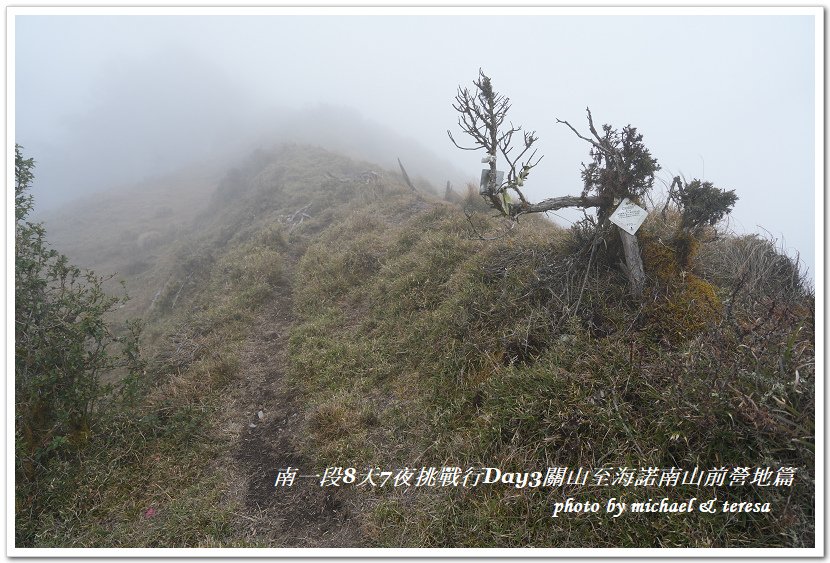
pixel 268 417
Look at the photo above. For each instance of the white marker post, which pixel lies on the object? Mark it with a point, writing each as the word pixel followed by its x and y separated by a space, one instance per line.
pixel 628 217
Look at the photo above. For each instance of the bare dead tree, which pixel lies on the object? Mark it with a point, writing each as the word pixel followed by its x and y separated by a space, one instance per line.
pixel 481 116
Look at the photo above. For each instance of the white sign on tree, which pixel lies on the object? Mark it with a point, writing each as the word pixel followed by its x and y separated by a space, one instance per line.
pixel 628 216
pixel 485 179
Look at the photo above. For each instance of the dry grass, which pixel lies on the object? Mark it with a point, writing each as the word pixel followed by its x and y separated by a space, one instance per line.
pixel 510 353
pixel 417 343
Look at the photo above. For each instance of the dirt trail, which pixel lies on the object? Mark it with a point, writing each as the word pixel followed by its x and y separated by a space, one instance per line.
pixel 304 514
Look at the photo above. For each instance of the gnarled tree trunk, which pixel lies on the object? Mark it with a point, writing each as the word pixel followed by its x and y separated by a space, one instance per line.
pixel 633 263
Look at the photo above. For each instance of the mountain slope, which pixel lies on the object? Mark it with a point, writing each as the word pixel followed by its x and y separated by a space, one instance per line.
pixel 312 316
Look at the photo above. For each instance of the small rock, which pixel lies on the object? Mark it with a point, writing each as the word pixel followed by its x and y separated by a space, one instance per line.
pixel 260 415
pixel 252 425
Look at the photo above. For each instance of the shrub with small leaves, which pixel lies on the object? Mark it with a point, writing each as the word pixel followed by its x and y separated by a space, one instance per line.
pixel 63 344
pixel 701 204
pixel 621 167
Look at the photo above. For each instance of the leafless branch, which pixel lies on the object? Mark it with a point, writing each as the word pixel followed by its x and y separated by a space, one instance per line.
pixel 459 146
pixel 675 183
pixel 591 125
pixel 578 134
pixel 601 144
pixel 477 233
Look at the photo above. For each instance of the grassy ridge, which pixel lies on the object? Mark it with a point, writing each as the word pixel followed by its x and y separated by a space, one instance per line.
pixel 167 450
pixel 416 343
pixel 422 346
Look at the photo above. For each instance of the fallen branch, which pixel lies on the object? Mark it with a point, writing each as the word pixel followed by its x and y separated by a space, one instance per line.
pixel 176 298
pixel 340 179
pixel 554 203
pixel 297 218
pixel 301 212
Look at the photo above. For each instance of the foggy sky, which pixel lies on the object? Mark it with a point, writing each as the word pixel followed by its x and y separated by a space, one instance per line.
pixel 109 100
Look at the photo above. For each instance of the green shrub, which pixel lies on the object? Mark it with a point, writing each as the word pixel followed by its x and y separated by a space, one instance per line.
pixel 64 346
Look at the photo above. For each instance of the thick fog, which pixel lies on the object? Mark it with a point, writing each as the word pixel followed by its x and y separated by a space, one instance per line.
pixel 103 101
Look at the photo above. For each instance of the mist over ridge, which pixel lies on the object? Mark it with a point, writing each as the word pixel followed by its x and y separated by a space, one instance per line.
pixel 130 98
pixel 152 117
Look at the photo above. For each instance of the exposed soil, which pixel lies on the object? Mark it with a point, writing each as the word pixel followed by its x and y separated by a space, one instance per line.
pixel 303 514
